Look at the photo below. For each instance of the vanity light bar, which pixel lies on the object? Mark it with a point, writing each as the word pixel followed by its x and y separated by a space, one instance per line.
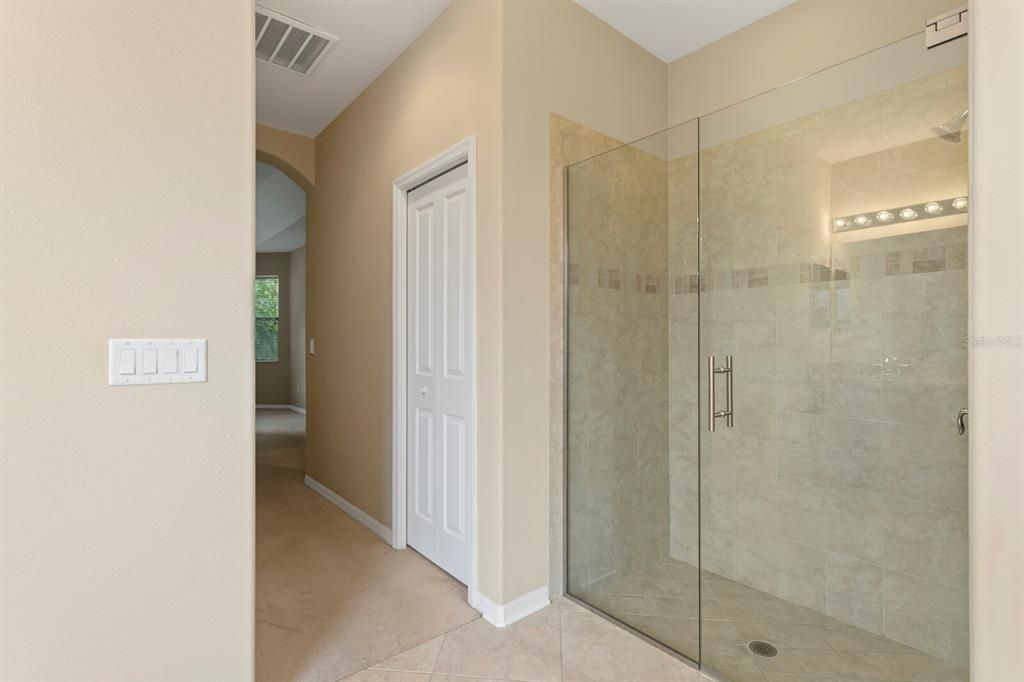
pixel 901 214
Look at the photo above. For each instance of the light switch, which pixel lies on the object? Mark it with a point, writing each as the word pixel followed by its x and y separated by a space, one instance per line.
pixel 126 363
pixel 149 361
pixel 312 346
pixel 190 360
pixel 163 361
pixel 168 362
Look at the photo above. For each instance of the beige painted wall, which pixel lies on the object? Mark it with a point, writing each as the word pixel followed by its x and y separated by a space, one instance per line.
pixel 102 525
pixel 126 514
pixel 274 379
pixel 297 320
pixel 444 88
pixel 996 381
pixel 570 143
pixel 554 57
pixel 557 58
pixel 294 154
pixel 802 38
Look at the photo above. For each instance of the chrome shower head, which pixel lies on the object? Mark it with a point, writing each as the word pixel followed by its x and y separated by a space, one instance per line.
pixel 950 130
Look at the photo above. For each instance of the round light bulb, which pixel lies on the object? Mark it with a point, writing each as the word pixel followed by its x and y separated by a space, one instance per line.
pixel 908 214
pixel 933 208
pixel 840 223
pixel 960 203
pixel 884 216
pixel 862 220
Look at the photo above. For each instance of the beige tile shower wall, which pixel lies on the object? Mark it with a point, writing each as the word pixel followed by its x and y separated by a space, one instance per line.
pixel 895 470
pixel 765 202
pixel 618 365
pixel 842 487
pixel 891 159
pixel 556 58
pixel 569 143
pixel 683 361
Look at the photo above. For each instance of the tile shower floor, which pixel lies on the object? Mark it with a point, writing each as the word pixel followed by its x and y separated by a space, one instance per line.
pixel 661 600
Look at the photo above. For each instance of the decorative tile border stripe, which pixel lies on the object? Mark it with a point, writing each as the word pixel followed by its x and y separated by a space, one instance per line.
pixel 611 278
pixel 932 259
pixel 906 262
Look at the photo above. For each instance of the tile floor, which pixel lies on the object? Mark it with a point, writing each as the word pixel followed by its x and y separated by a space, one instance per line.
pixel 331 598
pixel 662 599
pixel 562 643
pixel 335 603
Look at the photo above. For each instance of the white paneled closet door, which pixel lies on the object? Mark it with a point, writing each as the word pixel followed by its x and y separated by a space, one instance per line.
pixel 440 323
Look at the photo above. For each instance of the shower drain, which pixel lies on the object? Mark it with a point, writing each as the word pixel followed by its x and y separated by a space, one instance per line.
pixel 763 649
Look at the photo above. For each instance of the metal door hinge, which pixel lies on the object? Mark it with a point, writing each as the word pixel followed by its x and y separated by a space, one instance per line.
pixel 961 421
pixel 945 27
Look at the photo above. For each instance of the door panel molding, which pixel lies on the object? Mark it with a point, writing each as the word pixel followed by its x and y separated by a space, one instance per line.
pixel 461 153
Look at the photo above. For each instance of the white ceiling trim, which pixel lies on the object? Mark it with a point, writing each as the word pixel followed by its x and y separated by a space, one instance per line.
pixel 670 29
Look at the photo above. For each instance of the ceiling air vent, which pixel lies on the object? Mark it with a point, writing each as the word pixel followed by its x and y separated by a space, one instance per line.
pixel 290 44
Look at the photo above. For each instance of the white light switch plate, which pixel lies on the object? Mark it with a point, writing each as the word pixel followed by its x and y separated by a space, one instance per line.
pixel 156 361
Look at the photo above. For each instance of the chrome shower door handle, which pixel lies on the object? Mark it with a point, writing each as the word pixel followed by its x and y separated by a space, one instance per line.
pixel 961 421
pixel 711 393
pixel 727 370
pixel 714 413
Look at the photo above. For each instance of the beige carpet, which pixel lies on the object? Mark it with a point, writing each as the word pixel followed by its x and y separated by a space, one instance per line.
pixel 331 597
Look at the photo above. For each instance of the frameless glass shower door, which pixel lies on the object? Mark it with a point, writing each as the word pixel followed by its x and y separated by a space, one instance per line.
pixel 764 473
pixel 833 509
pixel 632 244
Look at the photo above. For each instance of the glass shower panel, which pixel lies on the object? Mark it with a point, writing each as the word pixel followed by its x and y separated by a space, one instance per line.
pixel 833 302
pixel 631 441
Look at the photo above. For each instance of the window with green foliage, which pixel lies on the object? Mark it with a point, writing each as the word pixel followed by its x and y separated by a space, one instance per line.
pixel 268 306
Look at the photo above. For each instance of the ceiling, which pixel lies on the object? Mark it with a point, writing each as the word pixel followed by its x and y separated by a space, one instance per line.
pixel 371 34
pixel 670 29
pixel 280 211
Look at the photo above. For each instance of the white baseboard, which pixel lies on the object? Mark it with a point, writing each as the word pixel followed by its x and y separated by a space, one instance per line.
pixel 375 526
pixel 501 615
pixel 293 408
